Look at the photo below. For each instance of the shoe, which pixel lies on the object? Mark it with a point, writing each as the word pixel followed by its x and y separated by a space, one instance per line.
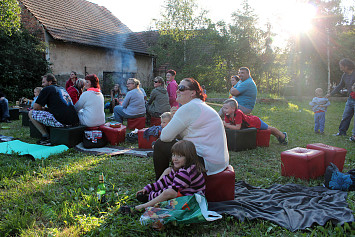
pixel 6 121
pixel 283 141
pixel 339 134
pixel 143 198
pixel 150 154
pixel 352 138
pixel 130 210
pixel 45 141
pixel 316 131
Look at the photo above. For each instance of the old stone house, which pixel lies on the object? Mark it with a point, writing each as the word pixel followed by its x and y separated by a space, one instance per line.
pixel 84 37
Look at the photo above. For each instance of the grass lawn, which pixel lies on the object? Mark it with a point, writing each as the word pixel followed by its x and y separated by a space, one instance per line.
pixel 57 196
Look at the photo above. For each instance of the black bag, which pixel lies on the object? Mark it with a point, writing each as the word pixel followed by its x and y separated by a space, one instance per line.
pixel 94 139
pixel 132 137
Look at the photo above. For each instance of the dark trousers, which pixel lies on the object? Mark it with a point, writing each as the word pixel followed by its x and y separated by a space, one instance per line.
pixel 162 156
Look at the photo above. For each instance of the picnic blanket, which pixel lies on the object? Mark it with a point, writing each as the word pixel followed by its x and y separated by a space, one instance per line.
pixel 114 151
pixel 291 206
pixel 36 151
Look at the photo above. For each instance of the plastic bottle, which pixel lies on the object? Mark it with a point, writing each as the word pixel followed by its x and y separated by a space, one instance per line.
pixel 101 190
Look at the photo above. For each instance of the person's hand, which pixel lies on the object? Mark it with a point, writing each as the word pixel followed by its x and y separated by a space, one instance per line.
pixel 173 110
pixel 2 98
pixel 327 95
pixel 143 191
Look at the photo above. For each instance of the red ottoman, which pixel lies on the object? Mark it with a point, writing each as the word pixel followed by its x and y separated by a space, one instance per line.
pixel 134 123
pixel 302 163
pixel 332 154
pixel 263 137
pixel 114 135
pixel 154 121
pixel 144 143
pixel 220 187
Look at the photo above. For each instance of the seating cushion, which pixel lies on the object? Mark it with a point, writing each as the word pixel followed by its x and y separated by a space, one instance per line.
pixel 263 137
pixel 240 140
pixel 70 136
pixel 220 187
pixel 114 135
pixel 302 163
pixel 133 123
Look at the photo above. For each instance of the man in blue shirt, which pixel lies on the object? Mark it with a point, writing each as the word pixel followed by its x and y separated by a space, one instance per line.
pixel 245 91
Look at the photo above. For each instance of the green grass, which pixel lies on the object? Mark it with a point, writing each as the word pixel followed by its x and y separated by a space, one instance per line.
pixel 56 196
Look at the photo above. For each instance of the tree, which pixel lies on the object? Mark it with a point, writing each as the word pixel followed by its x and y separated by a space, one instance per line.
pixel 9 16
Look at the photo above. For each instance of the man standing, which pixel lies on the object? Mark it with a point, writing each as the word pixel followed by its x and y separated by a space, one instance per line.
pixel 4 106
pixel 245 91
pixel 61 111
pixel 347 80
pixel 172 87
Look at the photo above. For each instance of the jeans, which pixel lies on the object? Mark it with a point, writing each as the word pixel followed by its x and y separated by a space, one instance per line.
pixel 4 105
pixel 120 115
pixel 348 114
pixel 319 121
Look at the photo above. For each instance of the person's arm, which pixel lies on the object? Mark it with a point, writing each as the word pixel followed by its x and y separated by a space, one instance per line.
pixel 234 91
pixel 174 128
pixel 126 100
pixel 37 106
pixel 152 97
pixel 231 126
pixel 312 103
pixel 338 88
pixel 80 103
pixel 166 172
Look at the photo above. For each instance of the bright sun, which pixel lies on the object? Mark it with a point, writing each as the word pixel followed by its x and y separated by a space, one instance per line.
pixel 297 17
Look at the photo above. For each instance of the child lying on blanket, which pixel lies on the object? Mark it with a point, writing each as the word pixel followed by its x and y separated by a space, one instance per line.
pixel 234 118
pixel 183 178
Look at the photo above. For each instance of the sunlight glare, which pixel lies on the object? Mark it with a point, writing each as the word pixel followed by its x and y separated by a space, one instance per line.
pixel 298 17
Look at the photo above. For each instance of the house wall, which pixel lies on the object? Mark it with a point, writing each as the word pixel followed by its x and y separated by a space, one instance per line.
pixel 31 23
pixel 65 57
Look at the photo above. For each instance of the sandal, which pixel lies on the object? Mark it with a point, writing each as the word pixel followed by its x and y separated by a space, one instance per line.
pixel 130 210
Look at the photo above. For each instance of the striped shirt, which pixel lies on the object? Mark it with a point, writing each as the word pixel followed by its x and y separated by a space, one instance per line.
pixel 186 180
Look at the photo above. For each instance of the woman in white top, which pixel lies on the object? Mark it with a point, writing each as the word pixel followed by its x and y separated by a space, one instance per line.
pixel 197 122
pixel 90 106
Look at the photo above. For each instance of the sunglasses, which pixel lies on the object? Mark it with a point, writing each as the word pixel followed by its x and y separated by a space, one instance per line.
pixel 156 81
pixel 183 88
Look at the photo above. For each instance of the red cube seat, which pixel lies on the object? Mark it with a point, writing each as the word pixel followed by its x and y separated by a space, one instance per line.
pixel 144 143
pixel 263 137
pixel 154 121
pixel 133 123
pixel 302 163
pixel 332 154
pixel 114 135
pixel 220 187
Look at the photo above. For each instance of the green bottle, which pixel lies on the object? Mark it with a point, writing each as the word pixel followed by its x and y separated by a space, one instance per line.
pixel 101 190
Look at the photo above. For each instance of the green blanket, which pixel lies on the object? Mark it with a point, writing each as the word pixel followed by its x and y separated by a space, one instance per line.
pixel 37 151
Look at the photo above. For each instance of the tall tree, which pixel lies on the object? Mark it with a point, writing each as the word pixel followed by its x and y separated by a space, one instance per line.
pixel 9 16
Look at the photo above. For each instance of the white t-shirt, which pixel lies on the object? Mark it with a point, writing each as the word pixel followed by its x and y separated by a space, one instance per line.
pixel 199 123
pixel 90 108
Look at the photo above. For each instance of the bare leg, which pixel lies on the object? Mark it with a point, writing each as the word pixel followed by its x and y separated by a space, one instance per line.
pixel 167 194
pixel 276 133
pixel 41 128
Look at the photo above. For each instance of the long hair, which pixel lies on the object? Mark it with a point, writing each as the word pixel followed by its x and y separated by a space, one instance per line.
pixel 195 86
pixel 94 80
pixel 160 80
pixel 187 149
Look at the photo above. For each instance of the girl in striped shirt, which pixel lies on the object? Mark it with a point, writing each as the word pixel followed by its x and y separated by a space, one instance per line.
pixel 183 178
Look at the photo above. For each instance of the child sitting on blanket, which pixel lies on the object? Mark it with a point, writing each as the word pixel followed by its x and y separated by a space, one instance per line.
pixel 183 178
pixel 234 118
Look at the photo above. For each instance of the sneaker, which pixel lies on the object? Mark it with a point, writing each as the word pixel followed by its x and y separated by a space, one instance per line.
pixel 283 141
pixel 352 138
pixel 45 141
pixel 339 134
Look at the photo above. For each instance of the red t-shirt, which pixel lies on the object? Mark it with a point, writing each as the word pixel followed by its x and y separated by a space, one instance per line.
pixel 251 120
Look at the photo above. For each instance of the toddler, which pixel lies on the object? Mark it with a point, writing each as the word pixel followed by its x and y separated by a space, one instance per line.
pixel 165 118
pixel 36 92
pixel 319 106
pixel 184 178
pixel 234 118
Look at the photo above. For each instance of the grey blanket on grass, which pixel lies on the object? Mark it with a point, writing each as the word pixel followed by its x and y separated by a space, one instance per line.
pixel 291 206
pixel 114 151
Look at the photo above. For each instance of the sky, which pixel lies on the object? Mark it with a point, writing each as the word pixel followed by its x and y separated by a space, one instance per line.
pixel 138 14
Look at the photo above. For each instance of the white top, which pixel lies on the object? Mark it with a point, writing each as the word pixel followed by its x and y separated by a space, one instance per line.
pixel 90 108
pixel 199 123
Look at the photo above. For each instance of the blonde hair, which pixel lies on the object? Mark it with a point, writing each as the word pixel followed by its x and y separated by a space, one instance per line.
pixel 319 92
pixel 232 102
pixel 135 81
pixel 38 89
pixel 167 115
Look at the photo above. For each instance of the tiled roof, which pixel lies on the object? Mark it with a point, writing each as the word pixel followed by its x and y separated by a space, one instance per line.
pixel 83 22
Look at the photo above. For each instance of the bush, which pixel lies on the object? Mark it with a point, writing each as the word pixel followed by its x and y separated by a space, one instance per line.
pixel 22 64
